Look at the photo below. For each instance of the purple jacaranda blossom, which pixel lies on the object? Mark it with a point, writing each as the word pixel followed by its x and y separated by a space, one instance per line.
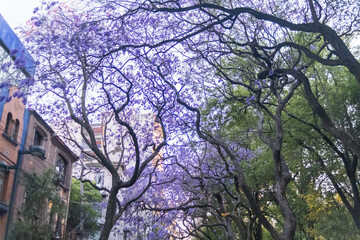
pixel 257 83
pixel 271 72
pixel 5 66
pixel 13 52
pixel 20 94
pixel 249 99
pixel 2 98
pixel 8 99
pixel 20 62
pixel 54 38
pixel 38 23
pixel 24 82
pixel 51 5
pixel 31 82
pixel 245 154
pixel 58 85
pixel 4 84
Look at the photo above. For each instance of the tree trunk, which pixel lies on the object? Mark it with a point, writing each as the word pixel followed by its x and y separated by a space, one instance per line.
pixel 110 218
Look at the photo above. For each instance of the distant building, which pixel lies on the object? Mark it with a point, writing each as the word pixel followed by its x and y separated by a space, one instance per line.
pixel 119 149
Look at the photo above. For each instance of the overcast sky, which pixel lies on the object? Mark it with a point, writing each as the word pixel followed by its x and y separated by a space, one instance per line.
pixel 17 12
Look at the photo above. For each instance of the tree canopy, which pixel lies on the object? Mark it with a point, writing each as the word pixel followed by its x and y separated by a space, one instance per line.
pixel 256 102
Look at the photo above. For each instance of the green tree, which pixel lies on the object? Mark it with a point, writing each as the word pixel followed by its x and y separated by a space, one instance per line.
pixel 84 209
pixel 42 207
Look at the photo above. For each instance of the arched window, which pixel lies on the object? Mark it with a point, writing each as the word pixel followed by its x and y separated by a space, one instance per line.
pixel 12 127
pixel 9 124
pixel 60 168
pixel 15 130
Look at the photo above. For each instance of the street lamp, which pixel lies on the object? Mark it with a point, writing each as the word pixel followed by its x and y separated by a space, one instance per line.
pixel 35 150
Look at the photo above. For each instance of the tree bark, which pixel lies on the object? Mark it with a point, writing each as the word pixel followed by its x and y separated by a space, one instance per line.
pixel 111 210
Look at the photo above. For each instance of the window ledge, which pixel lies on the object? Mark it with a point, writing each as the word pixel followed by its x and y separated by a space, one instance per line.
pixel 64 187
pixel 7 137
pixel 61 184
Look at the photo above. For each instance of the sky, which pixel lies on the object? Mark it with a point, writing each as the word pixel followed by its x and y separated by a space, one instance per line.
pixel 17 12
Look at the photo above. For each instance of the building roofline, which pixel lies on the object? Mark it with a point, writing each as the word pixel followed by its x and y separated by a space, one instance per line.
pixel 53 136
pixel 42 121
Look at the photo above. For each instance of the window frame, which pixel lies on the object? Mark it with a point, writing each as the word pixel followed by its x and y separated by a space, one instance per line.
pixel 61 177
pixel 4 175
pixel 11 130
pixel 38 138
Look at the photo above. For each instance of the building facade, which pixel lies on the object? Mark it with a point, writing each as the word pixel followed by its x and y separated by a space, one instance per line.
pixel 20 130
pixel 13 121
pixel 12 128
pixel 57 156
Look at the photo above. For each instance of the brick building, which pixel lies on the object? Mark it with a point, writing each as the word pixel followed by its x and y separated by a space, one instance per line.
pixel 20 130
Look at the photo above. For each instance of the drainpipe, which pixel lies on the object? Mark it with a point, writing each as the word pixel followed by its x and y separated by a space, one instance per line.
pixel 21 151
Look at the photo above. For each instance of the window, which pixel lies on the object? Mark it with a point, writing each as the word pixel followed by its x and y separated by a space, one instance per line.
pixel 60 168
pixel 12 127
pixel 2 183
pixel 9 125
pixel 4 208
pixel 99 179
pixel 38 138
pixel 3 176
pixel 15 130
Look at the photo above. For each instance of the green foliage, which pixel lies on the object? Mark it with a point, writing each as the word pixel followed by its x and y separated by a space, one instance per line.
pixel 41 208
pixel 83 206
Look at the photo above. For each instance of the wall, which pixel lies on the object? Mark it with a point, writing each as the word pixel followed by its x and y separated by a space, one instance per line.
pixel 33 164
pixel 9 149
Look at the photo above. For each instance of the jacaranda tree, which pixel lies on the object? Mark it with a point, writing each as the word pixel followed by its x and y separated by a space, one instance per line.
pixel 201 68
